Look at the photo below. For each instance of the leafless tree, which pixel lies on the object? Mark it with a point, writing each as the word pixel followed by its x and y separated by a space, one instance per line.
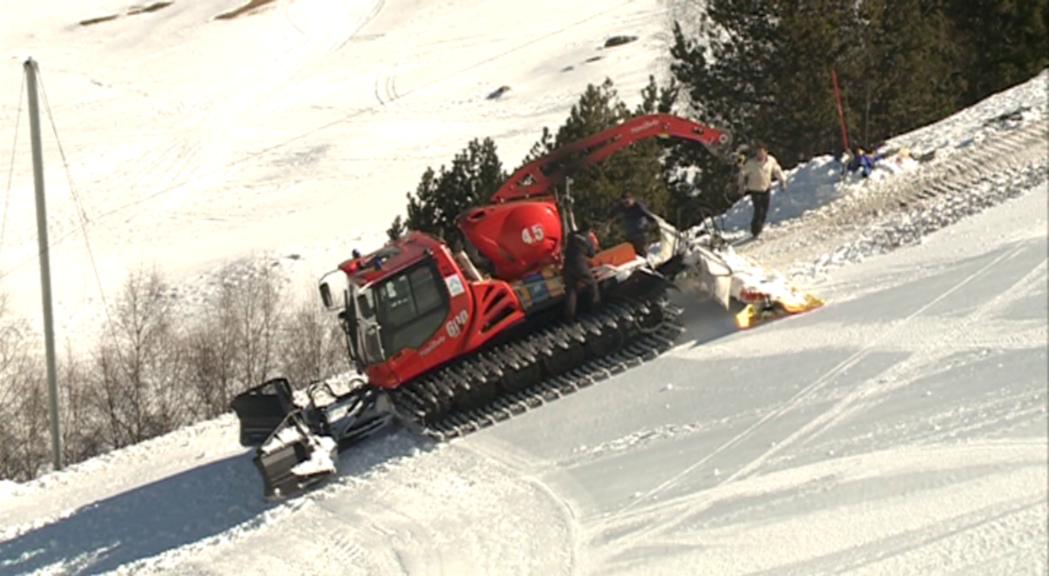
pixel 27 445
pixel 82 425
pixel 140 368
pixel 24 449
pixel 258 314
pixel 159 366
pixel 212 355
pixel 233 344
pixel 312 345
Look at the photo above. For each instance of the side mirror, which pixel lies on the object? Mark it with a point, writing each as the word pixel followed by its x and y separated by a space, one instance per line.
pixel 331 285
pixel 326 295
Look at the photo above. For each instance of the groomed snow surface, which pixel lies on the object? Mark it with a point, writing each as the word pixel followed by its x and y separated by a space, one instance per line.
pixel 901 429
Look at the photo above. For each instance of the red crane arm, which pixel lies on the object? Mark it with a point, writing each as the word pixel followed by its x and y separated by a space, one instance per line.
pixel 541 176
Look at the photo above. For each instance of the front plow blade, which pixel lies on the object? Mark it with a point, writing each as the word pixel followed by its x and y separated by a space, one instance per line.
pixel 293 458
pixel 262 409
pixel 298 436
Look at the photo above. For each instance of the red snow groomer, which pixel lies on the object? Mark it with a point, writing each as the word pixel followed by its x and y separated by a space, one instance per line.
pixel 451 342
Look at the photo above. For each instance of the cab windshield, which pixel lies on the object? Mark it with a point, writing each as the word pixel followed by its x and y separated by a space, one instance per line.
pixel 407 308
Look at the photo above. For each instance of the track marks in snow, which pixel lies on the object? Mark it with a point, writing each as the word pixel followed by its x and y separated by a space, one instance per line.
pixel 906 510
pixel 808 392
pixel 839 410
pixel 1006 276
pixel 388 92
pixel 376 9
pixel 918 365
pixel 426 509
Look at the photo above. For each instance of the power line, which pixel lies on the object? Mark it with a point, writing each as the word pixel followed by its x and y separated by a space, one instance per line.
pixel 11 170
pixel 61 151
pixel 81 213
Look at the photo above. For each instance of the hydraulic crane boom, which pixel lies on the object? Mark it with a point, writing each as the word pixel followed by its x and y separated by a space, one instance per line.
pixel 540 177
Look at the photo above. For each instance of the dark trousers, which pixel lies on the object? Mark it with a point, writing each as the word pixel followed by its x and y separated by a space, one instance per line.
pixel 761 210
pixel 640 244
pixel 572 293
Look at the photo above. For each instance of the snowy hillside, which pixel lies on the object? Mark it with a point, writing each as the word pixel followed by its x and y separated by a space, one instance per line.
pixel 292 129
pixel 901 429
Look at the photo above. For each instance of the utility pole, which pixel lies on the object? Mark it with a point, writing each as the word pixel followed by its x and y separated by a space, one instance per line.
pixel 45 259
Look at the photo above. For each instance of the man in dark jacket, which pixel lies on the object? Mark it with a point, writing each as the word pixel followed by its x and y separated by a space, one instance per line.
pixel 576 271
pixel 636 219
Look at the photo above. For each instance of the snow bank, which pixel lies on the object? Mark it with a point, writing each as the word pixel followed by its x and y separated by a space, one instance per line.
pixel 8 489
pixel 821 181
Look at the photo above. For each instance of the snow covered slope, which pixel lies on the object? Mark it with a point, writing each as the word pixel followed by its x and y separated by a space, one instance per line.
pixel 293 128
pixel 901 429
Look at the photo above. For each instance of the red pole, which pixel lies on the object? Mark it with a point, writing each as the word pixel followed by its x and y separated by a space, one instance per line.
pixel 841 112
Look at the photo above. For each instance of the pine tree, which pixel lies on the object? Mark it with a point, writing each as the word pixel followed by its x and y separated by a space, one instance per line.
pixel 904 66
pixel 396 229
pixel 720 97
pixel 422 206
pixel 1002 42
pixel 762 70
pixel 475 174
pixel 638 169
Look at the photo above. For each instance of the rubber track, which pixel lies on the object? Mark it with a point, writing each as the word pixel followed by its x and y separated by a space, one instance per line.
pixel 415 402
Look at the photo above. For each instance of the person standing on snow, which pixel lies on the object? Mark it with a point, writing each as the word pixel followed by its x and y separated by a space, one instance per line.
pixel 755 180
pixel 636 219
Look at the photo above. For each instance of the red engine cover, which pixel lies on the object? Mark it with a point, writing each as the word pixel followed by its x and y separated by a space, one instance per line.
pixel 517 237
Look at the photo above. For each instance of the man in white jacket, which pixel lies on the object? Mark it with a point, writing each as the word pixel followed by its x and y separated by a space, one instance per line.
pixel 755 180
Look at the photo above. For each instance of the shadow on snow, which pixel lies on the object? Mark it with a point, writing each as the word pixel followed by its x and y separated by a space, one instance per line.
pixel 181 509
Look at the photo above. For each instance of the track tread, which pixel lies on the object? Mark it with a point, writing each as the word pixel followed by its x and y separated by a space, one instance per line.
pixel 439 405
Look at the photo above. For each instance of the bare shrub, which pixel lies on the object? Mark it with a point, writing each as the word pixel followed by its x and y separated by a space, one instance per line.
pixel 139 365
pixel 233 344
pixel 26 450
pixel 258 315
pixel 312 345
pixel 158 367
pixel 12 338
pixel 82 423
pixel 24 444
pixel 212 358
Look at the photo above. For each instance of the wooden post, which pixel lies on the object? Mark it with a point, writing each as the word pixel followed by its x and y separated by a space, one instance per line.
pixel 45 259
pixel 841 110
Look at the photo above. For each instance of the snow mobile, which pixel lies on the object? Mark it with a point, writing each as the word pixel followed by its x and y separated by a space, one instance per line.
pixel 447 341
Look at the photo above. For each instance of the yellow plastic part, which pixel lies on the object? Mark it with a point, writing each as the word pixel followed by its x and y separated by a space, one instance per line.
pixel 808 302
pixel 745 317
pixel 752 315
